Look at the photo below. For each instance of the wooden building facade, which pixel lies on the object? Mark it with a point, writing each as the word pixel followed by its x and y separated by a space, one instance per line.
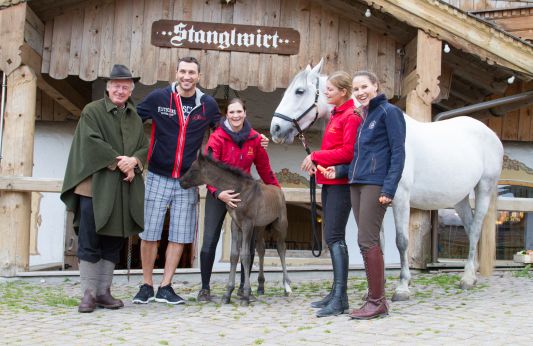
pixel 54 51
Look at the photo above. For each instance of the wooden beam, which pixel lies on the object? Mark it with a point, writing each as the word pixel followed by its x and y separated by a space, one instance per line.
pixel 461 30
pixel 59 90
pixel 17 160
pixel 420 96
pixel 29 184
pixel 12 21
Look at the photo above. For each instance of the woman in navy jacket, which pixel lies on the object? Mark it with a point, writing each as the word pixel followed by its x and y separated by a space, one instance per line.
pixel 373 175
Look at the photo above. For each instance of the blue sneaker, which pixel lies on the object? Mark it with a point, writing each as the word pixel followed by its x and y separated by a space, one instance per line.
pixel 145 295
pixel 165 294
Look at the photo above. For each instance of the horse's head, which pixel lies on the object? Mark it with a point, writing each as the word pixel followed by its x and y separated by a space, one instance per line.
pixel 302 103
pixel 195 175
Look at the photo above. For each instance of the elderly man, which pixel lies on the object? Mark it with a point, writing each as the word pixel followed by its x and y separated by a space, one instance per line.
pixel 103 186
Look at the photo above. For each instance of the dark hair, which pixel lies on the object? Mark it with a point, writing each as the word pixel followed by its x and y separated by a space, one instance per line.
pixel 342 81
pixel 370 75
pixel 188 59
pixel 236 100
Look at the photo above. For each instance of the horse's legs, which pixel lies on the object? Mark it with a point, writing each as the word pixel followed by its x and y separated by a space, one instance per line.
pixel 464 211
pixel 247 233
pixel 260 247
pixel 483 192
pixel 401 220
pixel 236 236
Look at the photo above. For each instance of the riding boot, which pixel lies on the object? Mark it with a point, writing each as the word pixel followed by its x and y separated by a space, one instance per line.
pixel 376 303
pixel 88 283
pixel 319 304
pixel 339 296
pixel 104 298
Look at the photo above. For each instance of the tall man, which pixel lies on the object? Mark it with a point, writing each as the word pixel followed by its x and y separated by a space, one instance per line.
pixel 103 186
pixel 180 115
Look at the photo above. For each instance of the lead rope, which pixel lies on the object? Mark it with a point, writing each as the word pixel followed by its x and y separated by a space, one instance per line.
pixel 316 247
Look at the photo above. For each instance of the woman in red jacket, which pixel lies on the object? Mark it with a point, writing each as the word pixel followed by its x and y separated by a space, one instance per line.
pixel 236 144
pixel 337 148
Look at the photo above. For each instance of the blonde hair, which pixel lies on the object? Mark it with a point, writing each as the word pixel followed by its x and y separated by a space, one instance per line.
pixel 342 81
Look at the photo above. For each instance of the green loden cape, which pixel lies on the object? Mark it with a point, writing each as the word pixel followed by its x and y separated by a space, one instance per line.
pixel 103 134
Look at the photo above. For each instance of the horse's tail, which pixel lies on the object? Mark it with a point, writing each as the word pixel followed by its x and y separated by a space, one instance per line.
pixel 487 243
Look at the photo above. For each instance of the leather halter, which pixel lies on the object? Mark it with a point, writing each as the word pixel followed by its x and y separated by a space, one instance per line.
pixel 295 123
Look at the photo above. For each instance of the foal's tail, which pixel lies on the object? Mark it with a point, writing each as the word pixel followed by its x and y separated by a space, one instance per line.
pixel 487 243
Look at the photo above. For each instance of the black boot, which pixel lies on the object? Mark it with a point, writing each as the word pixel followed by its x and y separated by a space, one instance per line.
pixel 339 297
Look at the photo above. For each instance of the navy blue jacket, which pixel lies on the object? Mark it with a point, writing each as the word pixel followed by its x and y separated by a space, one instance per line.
pixel 380 147
pixel 175 141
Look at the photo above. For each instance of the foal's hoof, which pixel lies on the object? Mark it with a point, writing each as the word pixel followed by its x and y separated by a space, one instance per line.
pixel 245 302
pixel 467 285
pixel 400 296
pixel 226 299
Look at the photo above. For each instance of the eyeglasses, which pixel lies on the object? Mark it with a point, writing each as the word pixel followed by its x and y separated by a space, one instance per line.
pixel 119 87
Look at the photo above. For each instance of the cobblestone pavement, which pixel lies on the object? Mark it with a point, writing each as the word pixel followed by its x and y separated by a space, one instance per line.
pixel 497 311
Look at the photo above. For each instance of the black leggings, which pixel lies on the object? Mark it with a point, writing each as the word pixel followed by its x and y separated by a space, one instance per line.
pixel 336 210
pixel 91 246
pixel 215 212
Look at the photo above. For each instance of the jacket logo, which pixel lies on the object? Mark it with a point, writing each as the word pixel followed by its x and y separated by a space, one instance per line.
pixel 372 124
pixel 199 117
pixel 332 130
pixel 250 151
pixel 169 112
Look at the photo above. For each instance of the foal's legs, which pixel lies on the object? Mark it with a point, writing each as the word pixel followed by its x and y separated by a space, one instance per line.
pixel 247 229
pixel 401 220
pixel 280 226
pixel 236 240
pixel 260 247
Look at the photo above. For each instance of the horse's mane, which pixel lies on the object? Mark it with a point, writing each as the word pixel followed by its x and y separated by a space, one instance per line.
pixel 228 168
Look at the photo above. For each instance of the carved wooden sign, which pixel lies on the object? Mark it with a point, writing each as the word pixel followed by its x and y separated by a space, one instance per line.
pixel 227 37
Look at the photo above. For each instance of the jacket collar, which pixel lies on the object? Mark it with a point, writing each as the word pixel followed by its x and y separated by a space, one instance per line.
pixel 376 101
pixel 199 93
pixel 346 105
pixel 110 106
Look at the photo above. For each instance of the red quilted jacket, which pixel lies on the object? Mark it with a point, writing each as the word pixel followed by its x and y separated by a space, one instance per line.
pixel 227 151
pixel 338 142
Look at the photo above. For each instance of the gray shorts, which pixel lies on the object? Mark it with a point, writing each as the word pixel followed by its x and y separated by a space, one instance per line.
pixel 162 193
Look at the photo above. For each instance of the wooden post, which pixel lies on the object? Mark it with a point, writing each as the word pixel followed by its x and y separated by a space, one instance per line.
pixel 418 105
pixel 17 160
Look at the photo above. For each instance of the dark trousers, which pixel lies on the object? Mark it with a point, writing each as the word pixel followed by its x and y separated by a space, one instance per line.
pixel 91 246
pixel 215 212
pixel 368 213
pixel 336 210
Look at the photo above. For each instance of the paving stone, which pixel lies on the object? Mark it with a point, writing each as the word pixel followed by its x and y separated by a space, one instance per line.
pixel 496 312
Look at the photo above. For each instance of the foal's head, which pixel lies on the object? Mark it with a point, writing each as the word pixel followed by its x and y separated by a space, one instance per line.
pixel 206 170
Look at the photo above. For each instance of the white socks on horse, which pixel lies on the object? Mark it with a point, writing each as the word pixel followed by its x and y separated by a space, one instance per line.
pixel 89 273
pixel 96 277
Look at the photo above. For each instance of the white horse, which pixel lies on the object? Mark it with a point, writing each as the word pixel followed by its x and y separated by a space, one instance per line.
pixel 445 161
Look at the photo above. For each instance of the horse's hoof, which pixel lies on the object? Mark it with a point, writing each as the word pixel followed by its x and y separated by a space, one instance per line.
pixel 466 285
pixel 226 300
pixel 400 296
pixel 260 291
pixel 245 302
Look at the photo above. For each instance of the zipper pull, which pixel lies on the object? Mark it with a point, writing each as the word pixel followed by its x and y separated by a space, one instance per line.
pixel 241 156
